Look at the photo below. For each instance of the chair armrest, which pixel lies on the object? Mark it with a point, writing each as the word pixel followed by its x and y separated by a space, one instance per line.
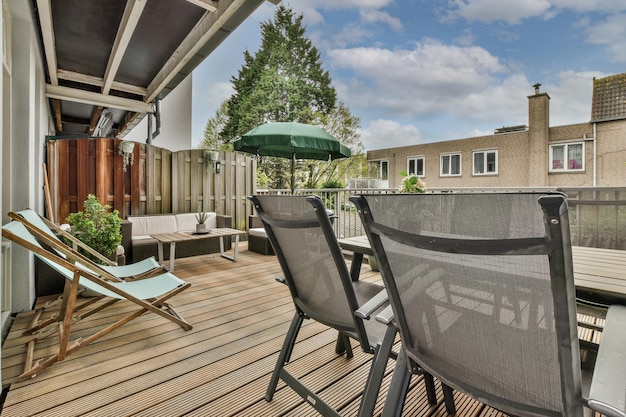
pixel 224 221
pixel 373 304
pixel 385 316
pixel 607 394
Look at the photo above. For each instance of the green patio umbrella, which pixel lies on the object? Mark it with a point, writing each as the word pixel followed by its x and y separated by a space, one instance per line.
pixel 293 141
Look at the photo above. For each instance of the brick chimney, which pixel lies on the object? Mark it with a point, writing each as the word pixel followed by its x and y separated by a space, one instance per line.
pixel 538 136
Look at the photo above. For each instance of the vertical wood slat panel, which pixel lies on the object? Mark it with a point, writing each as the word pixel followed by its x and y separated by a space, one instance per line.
pixel 118 179
pixel 82 170
pixel 135 178
pixel 102 169
pixel 206 183
pixel 196 178
pixel 150 177
pixel 159 181
pixel 63 181
pixel 167 172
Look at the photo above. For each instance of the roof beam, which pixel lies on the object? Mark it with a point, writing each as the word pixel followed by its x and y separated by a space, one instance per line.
pixel 132 14
pixel 99 82
pixel 47 31
pixel 209 5
pixel 96 99
pixel 204 30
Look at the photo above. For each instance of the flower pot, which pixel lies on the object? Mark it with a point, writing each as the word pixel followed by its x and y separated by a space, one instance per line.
pixel 200 228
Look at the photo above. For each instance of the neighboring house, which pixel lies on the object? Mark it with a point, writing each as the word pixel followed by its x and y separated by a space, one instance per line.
pixel 585 154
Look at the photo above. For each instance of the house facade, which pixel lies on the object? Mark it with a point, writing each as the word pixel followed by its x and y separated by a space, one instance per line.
pixel 534 155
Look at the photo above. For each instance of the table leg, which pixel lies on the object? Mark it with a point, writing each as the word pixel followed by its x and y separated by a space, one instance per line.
pixel 160 250
pixel 355 267
pixel 172 255
pixel 235 250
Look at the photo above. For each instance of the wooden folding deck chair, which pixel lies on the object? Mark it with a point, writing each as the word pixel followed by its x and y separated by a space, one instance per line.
pixel 149 294
pixel 39 226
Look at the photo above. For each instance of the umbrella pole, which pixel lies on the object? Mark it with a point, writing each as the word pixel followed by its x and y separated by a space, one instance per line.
pixel 293 171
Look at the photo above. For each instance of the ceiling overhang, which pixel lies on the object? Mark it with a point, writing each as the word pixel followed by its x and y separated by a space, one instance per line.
pixel 115 58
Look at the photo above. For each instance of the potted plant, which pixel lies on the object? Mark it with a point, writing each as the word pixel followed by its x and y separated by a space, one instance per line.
pixel 97 226
pixel 201 217
pixel 411 183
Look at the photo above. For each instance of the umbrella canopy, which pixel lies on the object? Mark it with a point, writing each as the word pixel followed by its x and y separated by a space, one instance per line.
pixel 293 141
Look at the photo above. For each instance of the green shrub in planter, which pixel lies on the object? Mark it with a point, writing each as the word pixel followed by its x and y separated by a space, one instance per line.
pixel 97 226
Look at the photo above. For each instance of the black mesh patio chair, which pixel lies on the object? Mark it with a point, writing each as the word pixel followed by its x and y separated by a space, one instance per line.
pixel 482 290
pixel 316 274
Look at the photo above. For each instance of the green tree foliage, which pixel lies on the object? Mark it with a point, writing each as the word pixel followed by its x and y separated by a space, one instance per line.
pixel 284 81
pixel 345 127
pixel 213 128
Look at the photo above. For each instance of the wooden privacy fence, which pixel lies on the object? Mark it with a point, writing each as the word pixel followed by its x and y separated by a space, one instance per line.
pixel 159 181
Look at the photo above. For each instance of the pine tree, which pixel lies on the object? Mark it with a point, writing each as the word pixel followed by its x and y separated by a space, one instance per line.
pixel 283 82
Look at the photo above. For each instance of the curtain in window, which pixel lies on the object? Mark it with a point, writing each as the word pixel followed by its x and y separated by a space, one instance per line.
pixel 558 155
pixel 575 156
pixel 479 163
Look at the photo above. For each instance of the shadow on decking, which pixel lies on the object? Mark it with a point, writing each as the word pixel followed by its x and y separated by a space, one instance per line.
pixel 222 367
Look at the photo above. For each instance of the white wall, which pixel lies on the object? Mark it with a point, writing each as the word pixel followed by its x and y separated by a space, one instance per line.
pixel 175 120
pixel 30 123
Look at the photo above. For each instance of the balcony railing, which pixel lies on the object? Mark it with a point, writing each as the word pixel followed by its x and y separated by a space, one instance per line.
pixel 597 215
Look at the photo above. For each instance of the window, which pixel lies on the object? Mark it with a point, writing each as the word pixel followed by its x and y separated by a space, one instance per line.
pixel 450 165
pixel 383 170
pixel 485 162
pixel 567 157
pixel 415 166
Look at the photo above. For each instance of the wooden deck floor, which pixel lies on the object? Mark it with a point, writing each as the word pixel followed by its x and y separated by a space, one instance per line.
pixel 151 367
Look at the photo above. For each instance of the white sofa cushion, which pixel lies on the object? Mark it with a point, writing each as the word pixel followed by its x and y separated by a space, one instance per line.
pixel 151 225
pixel 186 222
pixel 257 231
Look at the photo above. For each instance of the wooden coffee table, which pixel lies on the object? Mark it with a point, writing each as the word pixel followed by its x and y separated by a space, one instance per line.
pixel 220 233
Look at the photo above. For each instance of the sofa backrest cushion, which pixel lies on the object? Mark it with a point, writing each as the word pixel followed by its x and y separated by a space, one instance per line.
pixel 151 225
pixel 186 222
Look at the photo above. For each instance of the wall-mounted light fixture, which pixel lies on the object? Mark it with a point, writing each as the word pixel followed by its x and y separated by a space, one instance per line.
pixel 126 148
pixel 212 159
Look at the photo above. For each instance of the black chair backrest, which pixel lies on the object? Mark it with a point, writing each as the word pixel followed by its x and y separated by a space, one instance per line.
pixel 301 233
pixel 482 288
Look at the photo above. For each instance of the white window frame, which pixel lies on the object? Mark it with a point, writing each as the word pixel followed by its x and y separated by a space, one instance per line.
pixel 450 157
pixel 565 146
pixel 414 159
pixel 485 153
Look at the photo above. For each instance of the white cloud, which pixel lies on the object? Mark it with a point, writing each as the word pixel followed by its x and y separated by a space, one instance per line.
pixel 431 78
pixel 373 16
pixel 610 32
pixel 571 97
pixel 512 12
pixel 382 134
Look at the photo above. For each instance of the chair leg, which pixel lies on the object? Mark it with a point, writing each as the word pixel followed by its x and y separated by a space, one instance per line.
pixel 377 371
pixel 429 382
pixel 284 355
pixel 398 388
pixel 343 345
pixel 448 398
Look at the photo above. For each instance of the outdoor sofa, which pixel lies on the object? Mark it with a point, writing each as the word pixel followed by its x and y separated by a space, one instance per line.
pixel 257 238
pixel 141 245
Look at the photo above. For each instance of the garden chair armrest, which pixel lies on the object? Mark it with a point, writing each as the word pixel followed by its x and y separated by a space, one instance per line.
pixel 608 386
pixel 373 304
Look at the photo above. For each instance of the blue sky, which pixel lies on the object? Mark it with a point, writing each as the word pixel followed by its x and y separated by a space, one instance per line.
pixel 418 71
